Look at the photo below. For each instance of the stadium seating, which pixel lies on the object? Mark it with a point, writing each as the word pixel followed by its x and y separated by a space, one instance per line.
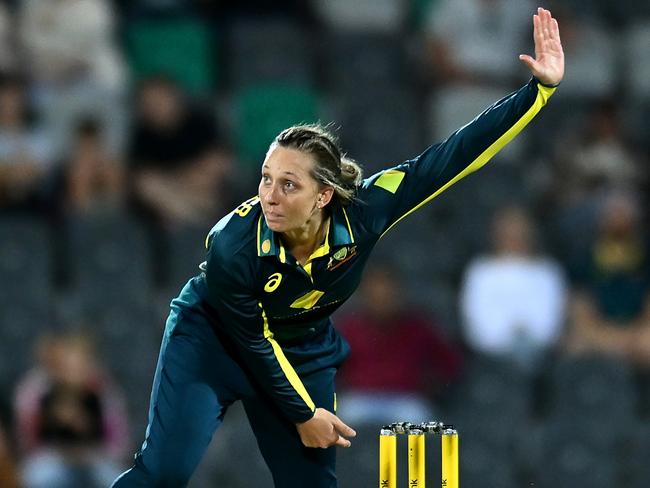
pixel 21 321
pixel 357 61
pixel 484 464
pixel 593 389
pixel 263 110
pixel 381 127
pixel 500 392
pixel 110 260
pixel 128 338
pixel 636 467
pixel 570 458
pixel 252 59
pixel 186 250
pixel 180 48
pixel 26 267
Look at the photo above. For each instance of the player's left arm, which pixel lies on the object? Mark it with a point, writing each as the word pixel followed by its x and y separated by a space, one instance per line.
pixel 396 192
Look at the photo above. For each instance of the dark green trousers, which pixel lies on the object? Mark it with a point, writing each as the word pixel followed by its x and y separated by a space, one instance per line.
pixel 196 381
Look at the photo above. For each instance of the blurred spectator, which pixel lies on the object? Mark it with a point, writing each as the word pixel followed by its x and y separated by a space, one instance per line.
pixel 469 40
pixel 93 179
pixel 71 420
pixel 470 54
pixel 25 158
pixel 363 15
pixel 8 476
pixel 610 309
pixel 596 155
pixel 7 46
pixel 177 158
pixel 400 360
pixel 513 301
pixel 592 49
pixel 71 41
pixel 75 64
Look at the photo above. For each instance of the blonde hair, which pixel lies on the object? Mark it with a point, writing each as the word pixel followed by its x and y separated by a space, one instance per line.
pixel 332 167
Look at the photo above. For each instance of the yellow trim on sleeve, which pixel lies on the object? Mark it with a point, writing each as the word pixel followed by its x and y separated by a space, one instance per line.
pixel 543 94
pixel 259 234
pixel 390 180
pixel 287 369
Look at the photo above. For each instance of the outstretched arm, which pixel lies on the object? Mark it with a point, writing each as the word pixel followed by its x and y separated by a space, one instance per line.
pixel 548 64
pixel 392 194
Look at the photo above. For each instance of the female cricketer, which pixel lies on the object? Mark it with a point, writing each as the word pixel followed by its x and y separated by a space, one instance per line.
pixel 255 324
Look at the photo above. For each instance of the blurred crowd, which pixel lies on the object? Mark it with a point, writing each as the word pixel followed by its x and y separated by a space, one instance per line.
pixel 515 305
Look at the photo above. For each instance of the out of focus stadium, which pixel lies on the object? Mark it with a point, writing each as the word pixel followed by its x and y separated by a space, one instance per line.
pixel 516 305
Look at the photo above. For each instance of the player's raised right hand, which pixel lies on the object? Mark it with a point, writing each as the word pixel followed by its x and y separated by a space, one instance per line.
pixel 325 429
pixel 548 64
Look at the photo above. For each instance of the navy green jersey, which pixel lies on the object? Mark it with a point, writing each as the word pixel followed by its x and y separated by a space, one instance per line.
pixel 275 312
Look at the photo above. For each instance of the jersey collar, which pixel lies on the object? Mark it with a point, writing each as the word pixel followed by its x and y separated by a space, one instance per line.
pixel 339 234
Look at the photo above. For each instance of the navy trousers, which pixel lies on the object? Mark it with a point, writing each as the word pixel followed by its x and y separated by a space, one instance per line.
pixel 196 381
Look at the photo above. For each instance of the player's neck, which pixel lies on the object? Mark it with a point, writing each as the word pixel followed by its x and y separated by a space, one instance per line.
pixel 303 241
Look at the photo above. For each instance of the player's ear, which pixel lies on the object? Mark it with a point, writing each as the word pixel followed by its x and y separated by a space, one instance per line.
pixel 325 196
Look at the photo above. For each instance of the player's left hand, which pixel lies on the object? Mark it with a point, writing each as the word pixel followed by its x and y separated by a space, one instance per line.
pixel 548 65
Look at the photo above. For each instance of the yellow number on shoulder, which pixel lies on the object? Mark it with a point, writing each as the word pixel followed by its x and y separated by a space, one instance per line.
pixel 243 209
pixel 273 283
pixel 246 207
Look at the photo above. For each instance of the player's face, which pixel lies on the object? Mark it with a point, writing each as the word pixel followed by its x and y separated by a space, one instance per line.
pixel 288 192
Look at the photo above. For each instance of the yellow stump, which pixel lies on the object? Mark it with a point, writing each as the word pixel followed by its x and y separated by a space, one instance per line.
pixel 417 466
pixel 387 459
pixel 449 440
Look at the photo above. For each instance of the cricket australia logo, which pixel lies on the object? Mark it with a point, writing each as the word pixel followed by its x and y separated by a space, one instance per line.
pixel 341 256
